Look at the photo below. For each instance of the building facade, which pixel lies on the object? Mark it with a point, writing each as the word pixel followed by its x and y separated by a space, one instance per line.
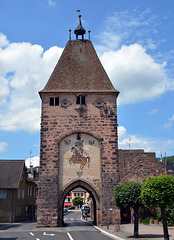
pixel 78 134
pixel 17 194
pixel 79 142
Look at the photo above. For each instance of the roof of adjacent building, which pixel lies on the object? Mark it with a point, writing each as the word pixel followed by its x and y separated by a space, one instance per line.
pixel 79 70
pixel 10 173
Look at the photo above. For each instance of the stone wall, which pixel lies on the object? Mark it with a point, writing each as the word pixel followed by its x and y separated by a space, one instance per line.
pixel 137 165
pixel 97 118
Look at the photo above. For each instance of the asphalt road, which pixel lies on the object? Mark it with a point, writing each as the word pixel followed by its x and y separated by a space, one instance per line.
pixel 75 229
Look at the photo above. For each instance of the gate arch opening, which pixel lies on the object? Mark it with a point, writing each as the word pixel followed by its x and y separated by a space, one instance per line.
pixel 86 186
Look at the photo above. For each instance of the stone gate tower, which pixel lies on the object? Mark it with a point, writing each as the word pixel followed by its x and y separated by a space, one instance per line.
pixel 78 134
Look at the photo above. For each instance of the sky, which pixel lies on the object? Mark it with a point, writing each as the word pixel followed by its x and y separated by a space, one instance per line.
pixel 134 41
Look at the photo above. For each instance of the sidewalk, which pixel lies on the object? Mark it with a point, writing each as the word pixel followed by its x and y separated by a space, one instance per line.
pixel 146 232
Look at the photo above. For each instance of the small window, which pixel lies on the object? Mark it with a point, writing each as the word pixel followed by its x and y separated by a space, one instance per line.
pixel 78 194
pixel 80 100
pixel 75 194
pixel 3 194
pixel 19 193
pixel 81 194
pixel 54 101
pixel 23 194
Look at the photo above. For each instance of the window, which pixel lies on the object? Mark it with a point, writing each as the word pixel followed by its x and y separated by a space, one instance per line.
pixel 78 194
pixel 3 194
pixel 19 193
pixel 75 194
pixel 81 194
pixel 23 194
pixel 54 101
pixel 80 100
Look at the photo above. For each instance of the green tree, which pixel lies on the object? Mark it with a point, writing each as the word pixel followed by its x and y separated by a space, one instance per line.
pixel 159 192
pixel 129 195
pixel 77 201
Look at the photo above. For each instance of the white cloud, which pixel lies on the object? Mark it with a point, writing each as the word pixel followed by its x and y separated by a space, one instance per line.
pixel 172 118
pixel 156 145
pixel 153 111
pixel 51 3
pixel 121 132
pixel 3 40
pixel 24 70
pixel 3 146
pixel 135 74
pixel 34 161
pixel 128 27
pixel 169 124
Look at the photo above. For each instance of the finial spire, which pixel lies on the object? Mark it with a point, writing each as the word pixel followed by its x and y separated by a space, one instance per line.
pixel 89 31
pixel 70 34
pixel 79 29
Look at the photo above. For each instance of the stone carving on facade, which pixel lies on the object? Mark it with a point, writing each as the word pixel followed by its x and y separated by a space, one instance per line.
pixel 67 141
pixel 91 142
pixel 65 103
pixel 99 103
pixel 106 111
pixel 78 157
pixel 81 109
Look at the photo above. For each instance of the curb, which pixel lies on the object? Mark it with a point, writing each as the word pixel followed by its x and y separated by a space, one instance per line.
pixel 108 234
pixel 105 232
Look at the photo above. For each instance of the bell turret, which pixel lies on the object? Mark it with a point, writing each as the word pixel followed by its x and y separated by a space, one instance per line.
pixel 79 29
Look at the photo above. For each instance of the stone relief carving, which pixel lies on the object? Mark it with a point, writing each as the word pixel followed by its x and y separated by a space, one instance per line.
pixel 67 141
pixel 99 103
pixel 81 109
pixel 106 111
pixel 65 103
pixel 91 142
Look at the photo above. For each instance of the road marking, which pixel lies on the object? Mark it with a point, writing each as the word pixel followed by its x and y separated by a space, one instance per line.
pixel 69 236
pixel 32 234
pixel 37 238
pixel 48 234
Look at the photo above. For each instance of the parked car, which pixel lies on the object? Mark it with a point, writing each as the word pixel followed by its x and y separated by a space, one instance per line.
pixel 71 208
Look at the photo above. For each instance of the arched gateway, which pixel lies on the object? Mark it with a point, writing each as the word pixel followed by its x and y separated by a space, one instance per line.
pixel 78 135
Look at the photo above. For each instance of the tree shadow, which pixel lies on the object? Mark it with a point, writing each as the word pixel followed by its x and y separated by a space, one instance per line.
pixel 148 236
pixel 8 238
pixel 6 227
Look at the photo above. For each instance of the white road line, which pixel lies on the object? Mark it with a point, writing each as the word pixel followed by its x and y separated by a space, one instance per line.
pixel 37 238
pixel 69 236
pixel 32 234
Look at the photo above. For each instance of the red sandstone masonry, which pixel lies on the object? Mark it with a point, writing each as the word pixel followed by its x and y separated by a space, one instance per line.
pixel 137 165
pixel 58 122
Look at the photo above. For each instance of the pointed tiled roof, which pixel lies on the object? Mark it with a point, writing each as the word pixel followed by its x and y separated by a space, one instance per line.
pixel 10 173
pixel 79 70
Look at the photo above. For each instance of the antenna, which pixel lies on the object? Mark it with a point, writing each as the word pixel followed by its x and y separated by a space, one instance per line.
pixel 129 142
pixel 30 157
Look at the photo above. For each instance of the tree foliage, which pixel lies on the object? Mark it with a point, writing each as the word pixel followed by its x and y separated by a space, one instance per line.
pixel 169 215
pixel 77 201
pixel 158 191
pixel 128 195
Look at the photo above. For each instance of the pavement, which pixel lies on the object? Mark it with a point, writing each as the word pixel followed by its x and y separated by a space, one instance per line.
pixel 146 232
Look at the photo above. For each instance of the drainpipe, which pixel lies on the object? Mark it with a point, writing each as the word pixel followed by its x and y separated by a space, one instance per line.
pixel 12 207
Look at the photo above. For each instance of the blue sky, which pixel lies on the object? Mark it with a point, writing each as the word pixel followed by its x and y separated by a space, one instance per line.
pixel 134 40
